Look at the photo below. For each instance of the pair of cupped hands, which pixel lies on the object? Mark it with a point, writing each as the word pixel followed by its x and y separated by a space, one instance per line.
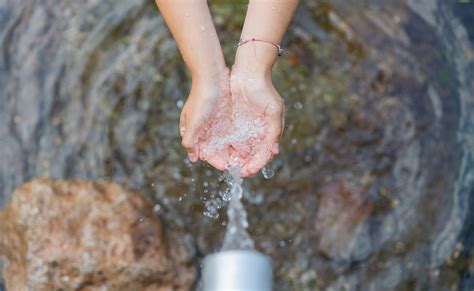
pixel 217 98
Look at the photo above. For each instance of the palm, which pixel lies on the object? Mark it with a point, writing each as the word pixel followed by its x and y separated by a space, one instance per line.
pixel 263 108
pixel 245 127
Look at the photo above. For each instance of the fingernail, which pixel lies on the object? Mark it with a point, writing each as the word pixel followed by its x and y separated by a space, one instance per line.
pixel 276 148
pixel 192 157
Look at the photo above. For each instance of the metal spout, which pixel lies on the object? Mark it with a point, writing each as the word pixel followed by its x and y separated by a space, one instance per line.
pixel 237 270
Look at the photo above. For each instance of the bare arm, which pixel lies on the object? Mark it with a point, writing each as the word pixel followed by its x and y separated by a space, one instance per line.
pixel 251 73
pixel 191 24
pixel 267 20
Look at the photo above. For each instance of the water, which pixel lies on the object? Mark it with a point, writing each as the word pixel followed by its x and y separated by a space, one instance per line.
pixel 237 131
pixel 236 236
pixel 91 90
pixel 268 172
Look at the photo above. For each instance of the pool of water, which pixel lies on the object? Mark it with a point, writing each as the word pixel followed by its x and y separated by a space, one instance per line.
pixel 373 188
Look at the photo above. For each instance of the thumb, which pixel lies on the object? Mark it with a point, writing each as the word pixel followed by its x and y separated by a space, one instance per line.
pixel 189 142
pixel 276 123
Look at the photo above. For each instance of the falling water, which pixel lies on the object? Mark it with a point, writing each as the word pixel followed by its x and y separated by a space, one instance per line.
pixel 383 88
pixel 236 236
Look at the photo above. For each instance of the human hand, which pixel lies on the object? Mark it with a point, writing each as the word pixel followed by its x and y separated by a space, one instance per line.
pixel 245 126
pixel 256 100
pixel 233 120
pixel 199 110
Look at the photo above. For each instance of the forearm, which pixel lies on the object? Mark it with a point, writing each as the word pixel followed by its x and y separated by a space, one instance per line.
pixel 191 24
pixel 267 20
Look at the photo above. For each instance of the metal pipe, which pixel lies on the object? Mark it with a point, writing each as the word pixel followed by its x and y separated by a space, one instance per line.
pixel 237 270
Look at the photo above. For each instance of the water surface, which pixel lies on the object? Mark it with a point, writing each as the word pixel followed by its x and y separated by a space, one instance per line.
pixel 373 187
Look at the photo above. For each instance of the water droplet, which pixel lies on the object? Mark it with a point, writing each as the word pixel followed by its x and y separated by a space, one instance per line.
pixel 203 28
pixel 180 198
pixel 157 208
pixel 224 223
pixel 268 172
pixel 254 198
pixel 212 208
pixel 211 214
pixel 282 244
pixel 152 185
pixel 294 141
pixel 226 196
pixel 187 14
pixel 205 184
pixel 179 103
pixel 298 105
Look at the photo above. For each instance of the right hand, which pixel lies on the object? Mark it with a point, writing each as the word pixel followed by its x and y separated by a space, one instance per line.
pixel 262 102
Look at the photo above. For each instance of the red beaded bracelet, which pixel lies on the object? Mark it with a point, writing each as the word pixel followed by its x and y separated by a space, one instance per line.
pixel 280 50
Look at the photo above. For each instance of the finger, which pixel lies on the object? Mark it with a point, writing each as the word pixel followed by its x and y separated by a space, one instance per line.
pixel 238 154
pixel 257 163
pixel 282 122
pixel 189 143
pixel 195 155
pixel 275 128
pixel 182 123
pixel 218 162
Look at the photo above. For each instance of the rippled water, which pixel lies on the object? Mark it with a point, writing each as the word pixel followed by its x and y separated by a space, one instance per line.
pixel 373 187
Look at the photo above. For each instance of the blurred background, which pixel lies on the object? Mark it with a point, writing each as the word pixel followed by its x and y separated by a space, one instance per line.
pixel 374 186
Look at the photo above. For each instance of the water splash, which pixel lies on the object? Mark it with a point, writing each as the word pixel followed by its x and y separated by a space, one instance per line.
pixel 236 236
pixel 268 172
pixel 212 208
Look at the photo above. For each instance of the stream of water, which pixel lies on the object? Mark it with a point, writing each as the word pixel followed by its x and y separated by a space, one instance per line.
pixel 236 236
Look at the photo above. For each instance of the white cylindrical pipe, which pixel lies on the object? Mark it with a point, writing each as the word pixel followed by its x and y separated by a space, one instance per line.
pixel 237 270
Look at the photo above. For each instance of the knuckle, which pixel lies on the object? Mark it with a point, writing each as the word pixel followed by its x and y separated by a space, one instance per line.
pixel 275 108
pixel 187 144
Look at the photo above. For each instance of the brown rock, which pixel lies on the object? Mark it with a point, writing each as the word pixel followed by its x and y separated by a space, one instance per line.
pixel 342 210
pixel 71 235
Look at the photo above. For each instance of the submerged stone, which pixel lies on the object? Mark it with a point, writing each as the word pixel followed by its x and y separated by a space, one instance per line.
pixel 84 235
pixel 342 212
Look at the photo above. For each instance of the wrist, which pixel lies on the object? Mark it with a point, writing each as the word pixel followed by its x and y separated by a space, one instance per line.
pixel 214 74
pixel 210 84
pixel 255 59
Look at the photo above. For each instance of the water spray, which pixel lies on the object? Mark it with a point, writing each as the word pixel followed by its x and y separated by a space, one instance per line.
pixel 237 267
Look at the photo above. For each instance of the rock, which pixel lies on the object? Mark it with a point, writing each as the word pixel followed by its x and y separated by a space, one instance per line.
pixel 73 235
pixel 342 210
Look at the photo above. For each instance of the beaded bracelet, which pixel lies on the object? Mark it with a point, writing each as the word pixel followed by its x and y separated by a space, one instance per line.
pixel 280 50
